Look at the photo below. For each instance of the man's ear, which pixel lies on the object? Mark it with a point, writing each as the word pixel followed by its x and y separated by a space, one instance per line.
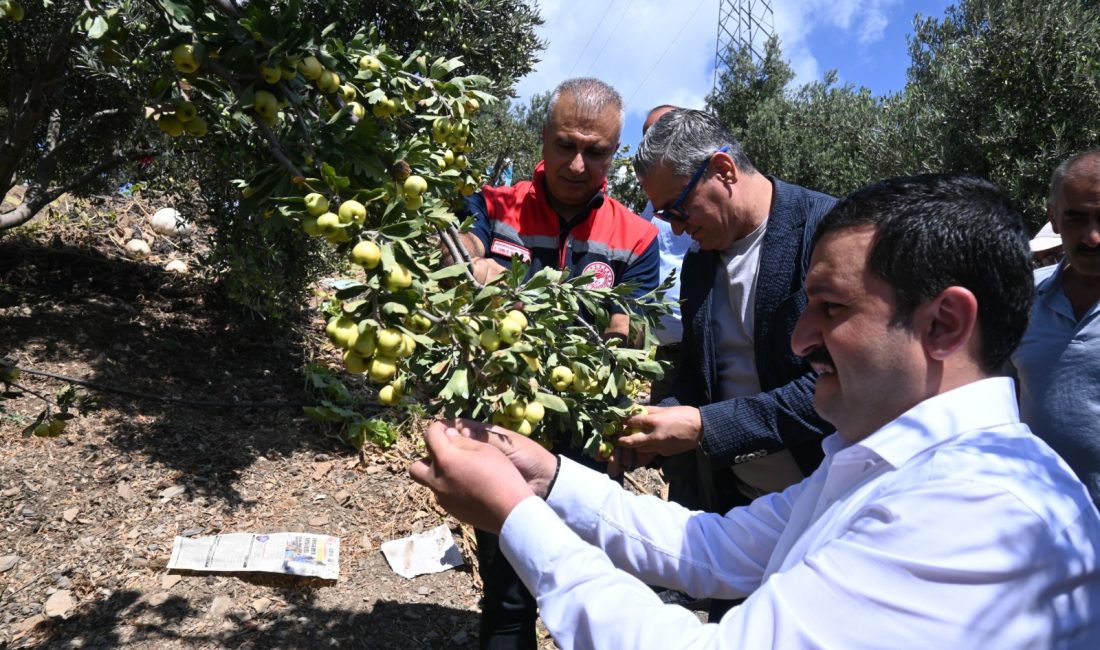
pixel 1051 218
pixel 724 166
pixel 949 322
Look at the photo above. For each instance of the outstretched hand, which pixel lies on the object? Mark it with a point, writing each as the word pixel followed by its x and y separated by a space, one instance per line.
pixel 664 431
pixel 480 473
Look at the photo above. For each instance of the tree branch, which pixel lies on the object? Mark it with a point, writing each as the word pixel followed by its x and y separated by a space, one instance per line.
pixel 37 198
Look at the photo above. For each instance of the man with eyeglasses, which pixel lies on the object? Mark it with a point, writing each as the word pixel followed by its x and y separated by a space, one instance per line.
pixel 563 220
pixel 743 402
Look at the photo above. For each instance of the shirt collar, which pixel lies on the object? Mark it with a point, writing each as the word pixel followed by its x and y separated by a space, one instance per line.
pixel 982 404
pixel 1048 279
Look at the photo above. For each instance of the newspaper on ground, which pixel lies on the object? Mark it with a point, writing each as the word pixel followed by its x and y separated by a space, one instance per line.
pixel 300 554
pixel 430 552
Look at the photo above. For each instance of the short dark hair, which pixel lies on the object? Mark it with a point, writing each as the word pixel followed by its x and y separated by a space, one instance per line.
pixel 935 231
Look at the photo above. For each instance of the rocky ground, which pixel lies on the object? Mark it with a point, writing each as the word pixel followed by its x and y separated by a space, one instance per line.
pixel 198 430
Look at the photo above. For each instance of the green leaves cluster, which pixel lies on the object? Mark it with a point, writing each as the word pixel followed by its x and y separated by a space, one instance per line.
pixel 1002 88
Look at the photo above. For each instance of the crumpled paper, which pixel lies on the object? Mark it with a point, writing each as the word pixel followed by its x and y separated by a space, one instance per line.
pixel 433 551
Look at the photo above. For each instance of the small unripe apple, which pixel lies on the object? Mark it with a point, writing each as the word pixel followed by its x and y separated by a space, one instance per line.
pixel 388 341
pixel 357 110
pixel 561 378
pixel 366 254
pixel 171 125
pixel 348 92
pixel 271 74
pixel 397 278
pixel 328 82
pixel 382 368
pixel 489 341
pixel 407 347
pixel 183 55
pixel 329 223
pixel 311 68
pixel 419 323
pixel 316 204
pixel 535 412
pixel 196 127
pixel 389 395
pixel 510 330
pixel 365 343
pixel 185 110
pixel 524 428
pixel 519 317
pixel 352 211
pixel 355 364
pixel 310 227
pixel 414 185
pixel 370 62
pixel 516 409
pixel 265 104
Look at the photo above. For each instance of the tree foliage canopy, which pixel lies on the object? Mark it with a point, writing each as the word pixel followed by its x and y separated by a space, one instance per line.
pixel 1002 88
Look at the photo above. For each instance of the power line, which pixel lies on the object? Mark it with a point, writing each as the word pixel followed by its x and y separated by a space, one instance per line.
pixel 591 36
pixel 608 39
pixel 667 48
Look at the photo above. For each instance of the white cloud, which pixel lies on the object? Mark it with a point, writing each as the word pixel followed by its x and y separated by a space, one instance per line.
pixel 662 51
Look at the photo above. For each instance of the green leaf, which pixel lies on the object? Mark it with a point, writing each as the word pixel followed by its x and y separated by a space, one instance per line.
pixel 452 271
pixel 98 28
pixel 458 385
pixel 552 402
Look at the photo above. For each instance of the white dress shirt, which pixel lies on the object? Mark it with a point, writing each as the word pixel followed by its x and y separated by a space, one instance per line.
pixel 951 527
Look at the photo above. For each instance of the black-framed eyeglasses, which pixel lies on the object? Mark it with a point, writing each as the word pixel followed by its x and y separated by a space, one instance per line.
pixel 674 213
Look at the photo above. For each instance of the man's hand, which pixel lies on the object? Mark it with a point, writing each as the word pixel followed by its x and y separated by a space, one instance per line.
pixel 474 481
pixel 485 269
pixel 536 465
pixel 665 431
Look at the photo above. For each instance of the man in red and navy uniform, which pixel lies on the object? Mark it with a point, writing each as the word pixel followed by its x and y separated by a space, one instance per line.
pixel 561 219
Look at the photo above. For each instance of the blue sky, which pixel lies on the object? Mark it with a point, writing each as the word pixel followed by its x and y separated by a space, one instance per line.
pixel 662 51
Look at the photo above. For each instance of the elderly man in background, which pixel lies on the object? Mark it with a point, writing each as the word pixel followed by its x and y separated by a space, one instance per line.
pixel 1058 361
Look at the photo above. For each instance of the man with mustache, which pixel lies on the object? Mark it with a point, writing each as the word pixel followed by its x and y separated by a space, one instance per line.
pixel 936 520
pixel 740 422
pixel 1058 361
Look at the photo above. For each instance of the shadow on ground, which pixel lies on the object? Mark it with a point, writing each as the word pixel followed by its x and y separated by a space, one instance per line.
pixel 136 327
pixel 126 618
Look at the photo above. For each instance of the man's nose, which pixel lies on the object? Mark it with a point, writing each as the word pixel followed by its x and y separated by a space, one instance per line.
pixel 678 227
pixel 806 337
pixel 577 164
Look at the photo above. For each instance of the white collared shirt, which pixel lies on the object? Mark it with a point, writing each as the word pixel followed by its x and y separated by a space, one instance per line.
pixel 951 527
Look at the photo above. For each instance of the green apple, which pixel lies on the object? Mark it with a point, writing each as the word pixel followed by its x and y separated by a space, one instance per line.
pixel 561 378
pixel 384 108
pixel 418 323
pixel 606 449
pixel 489 341
pixel 354 363
pixel 524 428
pixel 171 125
pixel 366 343
pixel 311 68
pixel 366 253
pixel 343 331
pixel 516 409
pixel 348 92
pixel 441 130
pixel 271 74
pixel 407 347
pixel 10 374
pixel 382 368
pixel 510 330
pixel 196 127
pixel 389 341
pixel 310 227
pixel 357 110
pixel 329 224
pixel 288 71
pixel 534 413
pixel 57 427
pixel 328 82
pixel 414 186
pixel 471 105
pixel 370 62
pixel 397 278
pixel 352 211
pixel 316 204
pixel 183 55
pixel 185 111
pixel 389 395
pixel 14 11
pixel 519 317
pixel 265 104
pixel 413 202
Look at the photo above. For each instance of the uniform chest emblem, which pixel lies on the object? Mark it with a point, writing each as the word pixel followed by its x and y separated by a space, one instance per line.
pixel 604 276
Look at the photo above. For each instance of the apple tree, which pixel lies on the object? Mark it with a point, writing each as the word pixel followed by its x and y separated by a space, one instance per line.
pixel 367 148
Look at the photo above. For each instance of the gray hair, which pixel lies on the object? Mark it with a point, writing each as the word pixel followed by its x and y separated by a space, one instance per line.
pixel 592 97
pixel 1091 158
pixel 683 139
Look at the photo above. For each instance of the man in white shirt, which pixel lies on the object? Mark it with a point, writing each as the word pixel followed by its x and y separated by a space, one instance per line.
pixel 937 520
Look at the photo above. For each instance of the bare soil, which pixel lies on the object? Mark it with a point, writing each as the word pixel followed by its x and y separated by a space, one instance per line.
pixel 89 515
